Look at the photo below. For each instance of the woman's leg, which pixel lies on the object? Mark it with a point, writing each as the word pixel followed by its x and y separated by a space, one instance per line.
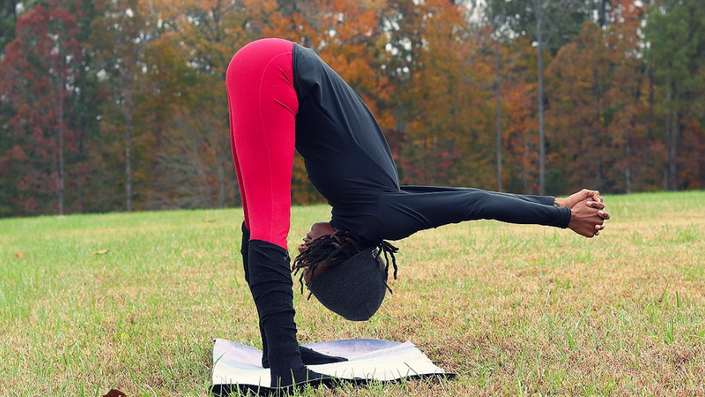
pixel 263 106
pixel 308 356
pixel 262 131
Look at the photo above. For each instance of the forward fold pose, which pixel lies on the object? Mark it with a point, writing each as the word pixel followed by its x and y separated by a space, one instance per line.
pixel 283 97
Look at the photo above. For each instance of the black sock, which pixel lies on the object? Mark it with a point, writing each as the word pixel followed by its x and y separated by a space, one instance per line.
pixel 244 250
pixel 312 357
pixel 308 356
pixel 272 289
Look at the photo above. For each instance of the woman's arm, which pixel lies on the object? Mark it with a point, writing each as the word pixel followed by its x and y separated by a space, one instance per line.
pixel 417 208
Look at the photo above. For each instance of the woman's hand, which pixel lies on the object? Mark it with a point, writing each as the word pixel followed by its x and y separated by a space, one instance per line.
pixel 588 213
pixel 588 217
pixel 582 195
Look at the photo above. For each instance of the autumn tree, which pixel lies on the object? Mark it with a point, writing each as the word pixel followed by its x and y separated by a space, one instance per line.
pixel 598 88
pixel 674 32
pixel 111 105
pixel 549 23
pixel 121 33
pixel 497 29
pixel 39 75
pixel 635 157
pixel 580 111
pixel 442 104
pixel 86 102
pixel 189 103
pixel 349 37
pixel 520 87
pixel 193 162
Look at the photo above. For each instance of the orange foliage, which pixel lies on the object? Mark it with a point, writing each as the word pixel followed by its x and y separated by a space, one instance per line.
pixel 426 69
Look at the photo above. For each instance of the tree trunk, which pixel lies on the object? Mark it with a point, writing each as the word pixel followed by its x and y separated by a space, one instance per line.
pixel 83 131
pixel 499 117
pixel 525 168
pixel 60 124
pixel 602 13
pixel 542 124
pixel 628 147
pixel 628 135
pixel 650 159
pixel 628 166
pixel 667 141
pixel 598 122
pixel 61 181
pixel 221 186
pixel 81 156
pixel 673 152
pixel 671 140
pixel 434 158
pixel 128 151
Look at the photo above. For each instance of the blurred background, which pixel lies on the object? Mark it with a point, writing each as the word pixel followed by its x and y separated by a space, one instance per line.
pixel 120 105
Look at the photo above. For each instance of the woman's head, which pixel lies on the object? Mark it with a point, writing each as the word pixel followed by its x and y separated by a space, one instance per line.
pixel 355 278
pixel 318 229
pixel 322 250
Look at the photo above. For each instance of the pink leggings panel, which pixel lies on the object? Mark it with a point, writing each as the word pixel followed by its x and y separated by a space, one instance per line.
pixel 263 107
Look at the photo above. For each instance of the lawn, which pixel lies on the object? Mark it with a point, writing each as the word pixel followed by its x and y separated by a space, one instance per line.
pixel 89 303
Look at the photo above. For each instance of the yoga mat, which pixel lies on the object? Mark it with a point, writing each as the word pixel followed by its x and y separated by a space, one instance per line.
pixel 237 366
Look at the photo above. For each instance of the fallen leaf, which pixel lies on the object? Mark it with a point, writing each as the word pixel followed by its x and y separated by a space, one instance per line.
pixel 115 393
pixel 101 252
pixel 19 255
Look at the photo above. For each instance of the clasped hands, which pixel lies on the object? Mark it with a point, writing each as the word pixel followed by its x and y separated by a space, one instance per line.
pixel 588 213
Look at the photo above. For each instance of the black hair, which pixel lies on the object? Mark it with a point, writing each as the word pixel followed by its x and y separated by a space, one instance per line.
pixel 334 249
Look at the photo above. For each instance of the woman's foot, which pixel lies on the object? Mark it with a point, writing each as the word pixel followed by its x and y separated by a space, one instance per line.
pixel 310 357
pixel 300 377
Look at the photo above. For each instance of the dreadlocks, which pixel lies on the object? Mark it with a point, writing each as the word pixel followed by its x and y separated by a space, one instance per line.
pixel 333 249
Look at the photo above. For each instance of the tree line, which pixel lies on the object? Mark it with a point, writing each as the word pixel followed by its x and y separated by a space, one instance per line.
pixel 120 105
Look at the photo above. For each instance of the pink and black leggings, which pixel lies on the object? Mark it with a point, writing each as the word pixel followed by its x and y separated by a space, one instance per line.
pixel 263 107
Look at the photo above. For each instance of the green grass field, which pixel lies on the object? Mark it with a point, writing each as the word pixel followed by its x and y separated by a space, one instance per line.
pixel 132 301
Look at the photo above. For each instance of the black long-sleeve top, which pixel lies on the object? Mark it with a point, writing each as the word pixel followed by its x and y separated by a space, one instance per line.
pixel 349 162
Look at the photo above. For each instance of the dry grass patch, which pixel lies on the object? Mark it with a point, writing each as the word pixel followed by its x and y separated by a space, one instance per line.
pixel 513 310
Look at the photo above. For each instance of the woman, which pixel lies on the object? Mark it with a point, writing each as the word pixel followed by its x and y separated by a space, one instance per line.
pixel 283 97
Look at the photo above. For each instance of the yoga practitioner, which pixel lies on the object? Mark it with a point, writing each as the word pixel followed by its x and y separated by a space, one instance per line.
pixel 283 97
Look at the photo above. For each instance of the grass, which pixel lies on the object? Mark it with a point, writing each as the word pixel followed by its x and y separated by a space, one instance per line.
pixel 132 301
